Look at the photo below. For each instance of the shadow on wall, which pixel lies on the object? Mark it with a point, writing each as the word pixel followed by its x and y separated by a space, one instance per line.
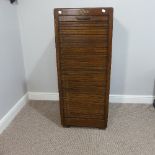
pixel 119 58
pixel 44 75
pixel 154 90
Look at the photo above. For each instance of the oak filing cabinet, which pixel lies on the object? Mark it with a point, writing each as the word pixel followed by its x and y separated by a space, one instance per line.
pixel 83 46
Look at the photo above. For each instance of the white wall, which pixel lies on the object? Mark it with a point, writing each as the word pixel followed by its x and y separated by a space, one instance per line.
pixel 12 75
pixel 133 65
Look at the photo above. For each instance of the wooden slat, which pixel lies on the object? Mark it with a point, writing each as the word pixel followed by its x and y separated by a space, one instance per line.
pixel 85 44
pixel 84 110
pixel 85 122
pixel 81 83
pixel 84 70
pixel 85 32
pixel 84 90
pixel 84 62
pixel 77 24
pixel 83 51
pixel 85 76
pixel 83 38
pixel 84 98
pixel 82 18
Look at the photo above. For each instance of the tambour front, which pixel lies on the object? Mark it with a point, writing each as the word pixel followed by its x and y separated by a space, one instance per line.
pixel 83 47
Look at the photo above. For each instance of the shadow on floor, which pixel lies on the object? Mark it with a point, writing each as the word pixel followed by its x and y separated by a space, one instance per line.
pixel 48 109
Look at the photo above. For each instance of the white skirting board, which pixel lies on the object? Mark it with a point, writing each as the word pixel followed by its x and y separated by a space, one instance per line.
pixel 7 119
pixel 133 99
pixel 43 96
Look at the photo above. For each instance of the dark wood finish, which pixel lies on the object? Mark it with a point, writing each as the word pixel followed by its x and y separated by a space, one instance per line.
pixel 83 48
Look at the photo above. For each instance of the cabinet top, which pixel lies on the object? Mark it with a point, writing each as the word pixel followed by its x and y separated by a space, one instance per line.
pixel 83 11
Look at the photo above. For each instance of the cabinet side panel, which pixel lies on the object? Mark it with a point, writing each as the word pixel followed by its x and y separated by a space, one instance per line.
pixel 109 61
pixel 56 24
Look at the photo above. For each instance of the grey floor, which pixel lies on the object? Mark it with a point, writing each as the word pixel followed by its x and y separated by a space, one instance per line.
pixel 37 131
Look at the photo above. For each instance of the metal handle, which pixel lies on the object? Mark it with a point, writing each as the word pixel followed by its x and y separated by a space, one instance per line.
pixel 83 18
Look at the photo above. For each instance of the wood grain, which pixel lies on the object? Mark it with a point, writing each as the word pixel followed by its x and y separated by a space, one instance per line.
pixel 83 47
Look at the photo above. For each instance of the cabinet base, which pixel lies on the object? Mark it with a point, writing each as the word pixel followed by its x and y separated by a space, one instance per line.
pixel 81 122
